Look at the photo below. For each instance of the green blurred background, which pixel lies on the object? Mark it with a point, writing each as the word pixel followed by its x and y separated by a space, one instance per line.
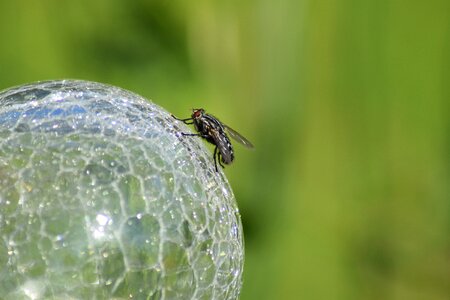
pixel 347 195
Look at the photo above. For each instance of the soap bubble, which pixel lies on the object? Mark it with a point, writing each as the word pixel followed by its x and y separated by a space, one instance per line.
pixel 101 197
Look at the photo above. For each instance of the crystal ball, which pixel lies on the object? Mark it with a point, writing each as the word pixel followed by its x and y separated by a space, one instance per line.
pixel 102 197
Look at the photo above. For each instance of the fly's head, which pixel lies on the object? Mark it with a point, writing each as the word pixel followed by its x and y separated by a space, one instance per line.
pixel 197 114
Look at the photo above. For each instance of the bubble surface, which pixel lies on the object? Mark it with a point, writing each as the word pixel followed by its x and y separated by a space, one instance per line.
pixel 102 197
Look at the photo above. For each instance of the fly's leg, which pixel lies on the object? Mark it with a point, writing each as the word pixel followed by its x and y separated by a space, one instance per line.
pixel 220 160
pixel 187 121
pixel 195 134
pixel 217 157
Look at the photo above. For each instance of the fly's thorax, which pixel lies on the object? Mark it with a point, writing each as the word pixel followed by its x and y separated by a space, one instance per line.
pixel 196 125
pixel 204 126
pixel 200 126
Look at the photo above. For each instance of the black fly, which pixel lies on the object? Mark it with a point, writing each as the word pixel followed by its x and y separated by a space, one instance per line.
pixel 215 132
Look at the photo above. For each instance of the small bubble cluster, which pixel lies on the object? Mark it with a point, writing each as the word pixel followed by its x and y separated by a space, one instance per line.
pixel 102 198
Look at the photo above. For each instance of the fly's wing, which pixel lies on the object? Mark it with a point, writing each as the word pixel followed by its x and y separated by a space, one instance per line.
pixel 238 138
pixel 224 146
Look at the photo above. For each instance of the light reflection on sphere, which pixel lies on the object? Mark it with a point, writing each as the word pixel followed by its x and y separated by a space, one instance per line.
pixel 101 197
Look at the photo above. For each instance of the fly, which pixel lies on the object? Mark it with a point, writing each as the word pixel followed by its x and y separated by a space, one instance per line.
pixel 216 133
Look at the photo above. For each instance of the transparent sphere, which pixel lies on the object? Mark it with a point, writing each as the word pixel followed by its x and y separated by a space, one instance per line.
pixel 101 197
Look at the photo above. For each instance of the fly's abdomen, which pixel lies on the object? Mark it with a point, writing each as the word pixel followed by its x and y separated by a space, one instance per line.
pixel 226 151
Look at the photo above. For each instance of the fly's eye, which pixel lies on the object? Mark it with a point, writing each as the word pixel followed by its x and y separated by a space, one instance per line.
pixel 197 113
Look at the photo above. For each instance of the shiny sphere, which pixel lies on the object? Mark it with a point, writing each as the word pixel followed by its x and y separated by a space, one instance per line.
pixel 101 197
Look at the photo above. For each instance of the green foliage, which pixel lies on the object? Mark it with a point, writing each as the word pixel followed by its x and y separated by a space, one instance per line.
pixel 347 194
